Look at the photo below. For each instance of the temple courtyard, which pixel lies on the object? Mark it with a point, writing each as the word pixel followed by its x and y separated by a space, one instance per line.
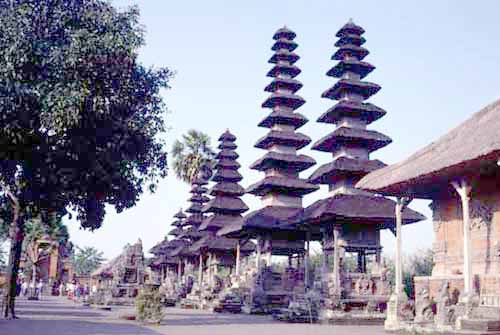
pixel 59 316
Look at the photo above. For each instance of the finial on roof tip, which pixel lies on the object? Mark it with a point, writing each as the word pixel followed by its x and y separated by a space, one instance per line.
pixel 351 20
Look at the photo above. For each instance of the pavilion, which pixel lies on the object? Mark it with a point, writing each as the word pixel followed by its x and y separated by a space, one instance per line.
pixel 460 173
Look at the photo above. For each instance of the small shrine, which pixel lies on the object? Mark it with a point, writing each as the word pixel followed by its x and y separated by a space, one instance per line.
pixel 281 190
pixel 460 174
pixel 349 220
pixel 118 281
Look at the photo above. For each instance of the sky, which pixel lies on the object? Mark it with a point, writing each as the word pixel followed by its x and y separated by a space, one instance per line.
pixel 437 63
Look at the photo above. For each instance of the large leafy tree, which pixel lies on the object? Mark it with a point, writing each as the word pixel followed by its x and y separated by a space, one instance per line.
pixel 86 260
pixel 190 154
pixel 80 117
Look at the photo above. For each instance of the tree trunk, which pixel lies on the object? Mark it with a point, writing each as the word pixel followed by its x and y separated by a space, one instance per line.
pixel 33 279
pixel 16 244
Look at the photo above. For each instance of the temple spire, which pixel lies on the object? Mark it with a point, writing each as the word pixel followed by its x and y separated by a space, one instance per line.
pixel 351 142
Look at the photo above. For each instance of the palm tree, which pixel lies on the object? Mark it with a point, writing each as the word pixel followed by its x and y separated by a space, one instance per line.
pixel 40 239
pixel 87 260
pixel 191 154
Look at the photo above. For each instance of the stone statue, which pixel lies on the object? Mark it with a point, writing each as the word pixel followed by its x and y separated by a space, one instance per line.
pixel 445 314
pixel 364 285
pixel 423 307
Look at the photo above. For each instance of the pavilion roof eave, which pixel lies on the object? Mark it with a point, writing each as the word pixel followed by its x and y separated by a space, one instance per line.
pixel 474 144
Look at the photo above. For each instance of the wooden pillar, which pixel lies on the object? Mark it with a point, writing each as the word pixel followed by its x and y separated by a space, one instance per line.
pixel 463 188
pixel 209 269
pixel 179 271
pixel 269 249
pixel 306 260
pixel 200 270
pixel 336 255
pixel 238 258
pixel 401 204
pixel 257 256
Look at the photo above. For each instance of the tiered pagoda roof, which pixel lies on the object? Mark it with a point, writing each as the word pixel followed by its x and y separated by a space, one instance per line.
pixel 350 142
pixel 192 233
pixel 281 185
pixel 226 206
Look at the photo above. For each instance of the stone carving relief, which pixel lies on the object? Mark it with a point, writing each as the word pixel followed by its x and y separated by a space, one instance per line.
pixel 481 214
pixel 437 218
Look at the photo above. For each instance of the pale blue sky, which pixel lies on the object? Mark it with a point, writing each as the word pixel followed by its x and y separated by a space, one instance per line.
pixel 437 63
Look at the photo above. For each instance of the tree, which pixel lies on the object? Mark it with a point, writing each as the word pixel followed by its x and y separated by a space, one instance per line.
pixel 190 154
pixel 86 260
pixel 80 118
pixel 41 238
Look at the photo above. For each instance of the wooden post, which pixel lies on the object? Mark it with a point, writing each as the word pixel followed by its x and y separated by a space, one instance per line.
pixel 463 189
pixel 179 270
pixel 336 255
pixel 306 260
pixel 209 269
pixel 401 204
pixel 238 258
pixel 257 256
pixel 200 270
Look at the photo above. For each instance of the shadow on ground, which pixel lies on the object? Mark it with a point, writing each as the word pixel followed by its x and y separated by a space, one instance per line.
pixel 69 327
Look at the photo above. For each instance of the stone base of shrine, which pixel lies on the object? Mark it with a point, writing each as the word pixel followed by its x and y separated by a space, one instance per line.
pixel 352 318
pixel 465 327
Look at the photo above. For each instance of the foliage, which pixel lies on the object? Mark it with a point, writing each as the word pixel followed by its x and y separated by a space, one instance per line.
pixel 80 118
pixel 149 305
pixel 419 263
pixel 190 154
pixel 86 260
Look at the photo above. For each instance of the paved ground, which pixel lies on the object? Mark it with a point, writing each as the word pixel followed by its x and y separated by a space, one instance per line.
pixel 56 316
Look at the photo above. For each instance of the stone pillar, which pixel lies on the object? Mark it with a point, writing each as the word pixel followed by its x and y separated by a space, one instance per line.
pixel 398 298
pixel 216 265
pixel 269 252
pixel 186 267
pixel 200 271
pixel 238 258
pixel 463 189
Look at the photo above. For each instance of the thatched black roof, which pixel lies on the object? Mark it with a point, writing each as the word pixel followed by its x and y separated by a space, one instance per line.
pixel 227 164
pixel 227 145
pixel 224 174
pixel 284 43
pixel 362 88
pixel 176 232
pixel 284 33
pixel 350 28
pixel 350 65
pixel 269 219
pixel 350 39
pixel 472 147
pixel 346 108
pixel 343 167
pixel 348 208
pixel 287 162
pixel 284 55
pixel 227 136
pixel 350 50
pixel 284 138
pixel 225 153
pixel 280 69
pixel 289 100
pixel 285 185
pixel 278 116
pixel 225 204
pixel 180 215
pixel 228 189
pixel 290 84
pixel 342 136
pixel 217 221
